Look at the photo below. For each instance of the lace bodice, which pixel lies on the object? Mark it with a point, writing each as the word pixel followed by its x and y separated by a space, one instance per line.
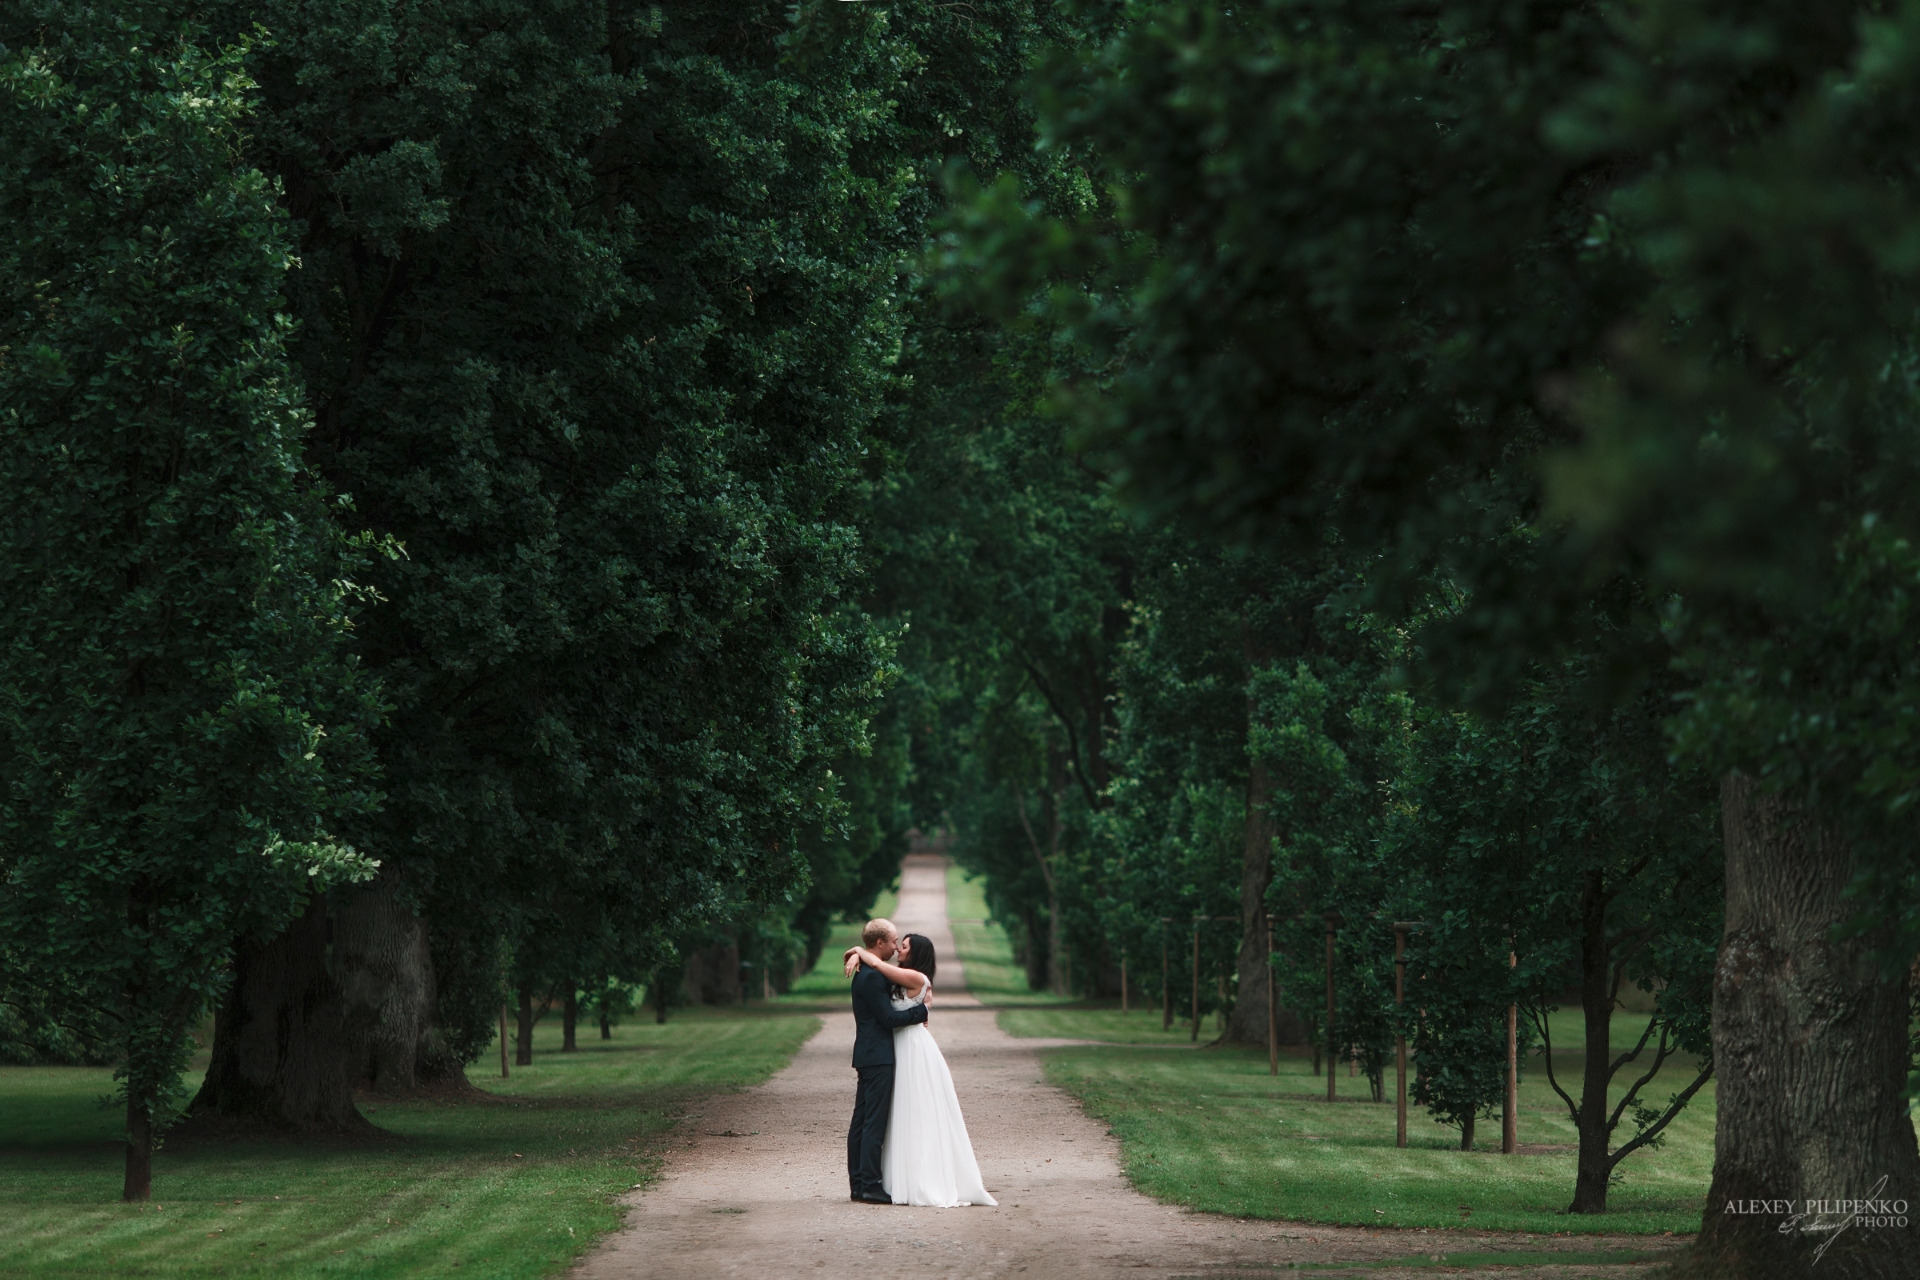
pixel 907 1002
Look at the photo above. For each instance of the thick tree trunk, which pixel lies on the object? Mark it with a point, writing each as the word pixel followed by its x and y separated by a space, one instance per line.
pixel 660 991
pixel 279 1043
pixel 711 975
pixel 569 1023
pixel 606 1026
pixel 1596 1002
pixel 1248 1024
pixel 138 1182
pixel 1810 1044
pixel 385 971
pixel 523 1042
pixel 1466 1128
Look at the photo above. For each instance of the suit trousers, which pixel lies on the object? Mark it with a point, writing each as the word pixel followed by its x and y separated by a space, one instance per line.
pixel 871 1106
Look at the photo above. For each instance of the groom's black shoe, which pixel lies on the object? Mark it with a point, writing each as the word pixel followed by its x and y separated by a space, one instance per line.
pixel 876 1197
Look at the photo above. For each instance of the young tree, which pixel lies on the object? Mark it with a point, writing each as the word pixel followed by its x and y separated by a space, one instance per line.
pixel 1558 834
pixel 180 728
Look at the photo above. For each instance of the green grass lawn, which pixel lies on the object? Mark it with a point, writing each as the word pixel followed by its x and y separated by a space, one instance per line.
pixel 993 976
pixel 516 1185
pixel 1207 1127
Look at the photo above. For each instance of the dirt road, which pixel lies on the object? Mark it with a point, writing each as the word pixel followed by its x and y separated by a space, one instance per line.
pixel 773 1203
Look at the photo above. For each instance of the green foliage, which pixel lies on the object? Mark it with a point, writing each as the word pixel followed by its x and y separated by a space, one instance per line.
pixel 181 729
pixel 594 312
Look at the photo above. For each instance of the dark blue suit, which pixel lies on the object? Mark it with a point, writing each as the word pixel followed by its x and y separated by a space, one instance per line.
pixel 874 1022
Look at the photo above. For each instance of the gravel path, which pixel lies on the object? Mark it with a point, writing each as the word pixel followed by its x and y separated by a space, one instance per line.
pixel 773 1203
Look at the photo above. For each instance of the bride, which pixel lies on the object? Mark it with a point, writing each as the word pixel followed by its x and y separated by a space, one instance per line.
pixel 927 1158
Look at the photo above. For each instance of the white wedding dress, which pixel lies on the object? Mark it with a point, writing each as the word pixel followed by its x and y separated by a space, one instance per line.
pixel 927 1158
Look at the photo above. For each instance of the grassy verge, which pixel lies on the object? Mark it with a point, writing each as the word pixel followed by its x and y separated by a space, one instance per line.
pixel 514 1185
pixel 1207 1127
pixel 994 977
pixel 1211 1129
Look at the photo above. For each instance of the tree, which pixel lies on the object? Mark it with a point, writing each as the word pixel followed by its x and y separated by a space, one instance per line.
pixel 181 728
pixel 593 316
pixel 1559 835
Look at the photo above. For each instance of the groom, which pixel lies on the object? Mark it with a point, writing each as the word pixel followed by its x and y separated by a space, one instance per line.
pixel 874 1022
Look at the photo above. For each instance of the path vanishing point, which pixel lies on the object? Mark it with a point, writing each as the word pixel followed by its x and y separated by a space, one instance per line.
pixel 773 1204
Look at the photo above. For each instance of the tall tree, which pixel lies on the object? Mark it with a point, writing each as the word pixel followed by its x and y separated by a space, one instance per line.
pixel 592 313
pixel 180 726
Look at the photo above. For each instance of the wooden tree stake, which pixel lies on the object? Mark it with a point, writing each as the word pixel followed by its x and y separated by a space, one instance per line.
pixel 1400 1068
pixel 1332 1075
pixel 1273 1009
pixel 1196 984
pixel 1166 987
pixel 1510 1120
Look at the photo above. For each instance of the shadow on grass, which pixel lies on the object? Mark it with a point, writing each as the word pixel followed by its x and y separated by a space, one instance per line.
pixel 513 1184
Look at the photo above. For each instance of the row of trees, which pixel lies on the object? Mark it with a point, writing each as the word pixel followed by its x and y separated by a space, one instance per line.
pixel 1485 498
pixel 437 440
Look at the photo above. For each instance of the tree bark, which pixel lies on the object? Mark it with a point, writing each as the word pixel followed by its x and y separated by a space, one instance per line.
pixel 660 989
pixel 569 1023
pixel 1596 1003
pixel 1056 947
pixel 606 1026
pixel 1466 1127
pixel 1248 1023
pixel 385 972
pixel 523 1042
pixel 279 1043
pixel 1033 956
pixel 138 1182
pixel 1810 1042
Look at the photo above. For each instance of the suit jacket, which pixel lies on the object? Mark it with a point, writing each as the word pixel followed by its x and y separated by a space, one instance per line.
pixel 875 1019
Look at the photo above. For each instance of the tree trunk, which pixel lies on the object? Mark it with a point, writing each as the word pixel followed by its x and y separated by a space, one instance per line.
pixel 1057 981
pixel 1035 958
pixel 1248 1025
pixel 279 1043
pixel 385 971
pixel 658 989
pixel 1596 1002
pixel 606 1026
pixel 523 1042
pixel 1810 1043
pixel 138 1183
pixel 1466 1130
pixel 569 1023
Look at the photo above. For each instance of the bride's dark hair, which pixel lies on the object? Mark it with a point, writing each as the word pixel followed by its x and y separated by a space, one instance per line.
pixel 919 955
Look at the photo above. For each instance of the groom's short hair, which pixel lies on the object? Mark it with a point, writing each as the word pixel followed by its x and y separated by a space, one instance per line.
pixel 877 929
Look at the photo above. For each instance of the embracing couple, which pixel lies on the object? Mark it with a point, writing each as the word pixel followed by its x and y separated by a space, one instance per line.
pixel 908 1142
